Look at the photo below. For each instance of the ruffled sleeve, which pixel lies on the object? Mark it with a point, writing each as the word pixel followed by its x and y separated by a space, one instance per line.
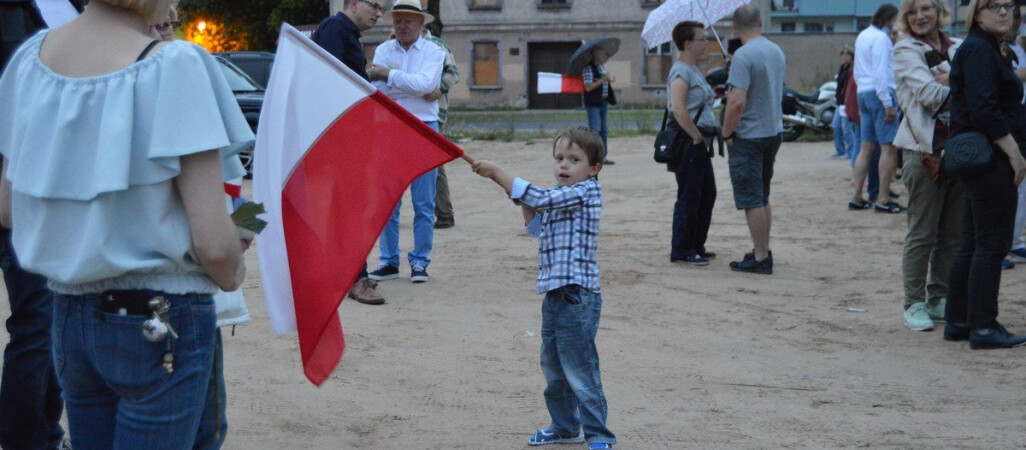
pixel 76 138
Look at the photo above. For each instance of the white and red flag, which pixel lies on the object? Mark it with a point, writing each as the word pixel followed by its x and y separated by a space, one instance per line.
pixel 557 83
pixel 333 156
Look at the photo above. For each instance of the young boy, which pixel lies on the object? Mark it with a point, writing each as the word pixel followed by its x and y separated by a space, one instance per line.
pixel 566 219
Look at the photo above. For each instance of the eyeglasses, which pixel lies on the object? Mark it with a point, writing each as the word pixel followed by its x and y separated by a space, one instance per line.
pixel 926 10
pixel 996 8
pixel 377 8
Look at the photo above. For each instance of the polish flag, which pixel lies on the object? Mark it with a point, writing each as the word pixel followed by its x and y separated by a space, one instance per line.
pixel 333 156
pixel 556 83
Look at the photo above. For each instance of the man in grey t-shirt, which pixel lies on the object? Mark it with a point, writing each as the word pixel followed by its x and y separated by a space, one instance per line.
pixel 752 125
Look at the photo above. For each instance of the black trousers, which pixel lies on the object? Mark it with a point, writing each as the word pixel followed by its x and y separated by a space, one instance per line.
pixel 696 195
pixel 988 221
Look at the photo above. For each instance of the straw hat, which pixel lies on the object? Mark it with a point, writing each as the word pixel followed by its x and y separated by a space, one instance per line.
pixel 410 6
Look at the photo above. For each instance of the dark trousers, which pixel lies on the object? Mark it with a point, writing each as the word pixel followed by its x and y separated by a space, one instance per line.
pixel 988 218
pixel 30 397
pixel 696 195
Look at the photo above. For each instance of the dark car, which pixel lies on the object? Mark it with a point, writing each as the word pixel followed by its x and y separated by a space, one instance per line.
pixel 256 64
pixel 250 95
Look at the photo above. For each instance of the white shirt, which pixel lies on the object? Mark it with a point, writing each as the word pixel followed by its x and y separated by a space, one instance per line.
pixel 56 12
pixel 874 64
pixel 415 72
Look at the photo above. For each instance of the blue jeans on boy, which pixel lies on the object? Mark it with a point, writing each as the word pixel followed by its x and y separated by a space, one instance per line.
pixel 873 172
pixel 598 121
pixel 30 397
pixel 422 191
pixel 117 391
pixel 570 363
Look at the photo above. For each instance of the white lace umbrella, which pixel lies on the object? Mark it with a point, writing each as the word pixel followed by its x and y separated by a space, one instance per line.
pixel 659 25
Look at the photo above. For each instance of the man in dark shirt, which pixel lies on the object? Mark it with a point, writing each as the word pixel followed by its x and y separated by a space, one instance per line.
pixel 340 36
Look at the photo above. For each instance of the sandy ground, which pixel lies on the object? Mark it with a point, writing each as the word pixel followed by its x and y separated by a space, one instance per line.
pixel 691 357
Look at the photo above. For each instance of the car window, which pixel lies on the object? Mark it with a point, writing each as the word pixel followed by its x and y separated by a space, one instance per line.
pixel 237 79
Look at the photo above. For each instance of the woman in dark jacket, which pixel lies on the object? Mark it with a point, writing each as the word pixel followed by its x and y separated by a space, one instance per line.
pixel 985 97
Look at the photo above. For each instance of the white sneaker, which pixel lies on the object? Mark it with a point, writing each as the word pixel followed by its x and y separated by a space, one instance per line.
pixel 917 318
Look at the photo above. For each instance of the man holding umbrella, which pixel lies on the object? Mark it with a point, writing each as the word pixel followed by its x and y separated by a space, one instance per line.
pixel 589 61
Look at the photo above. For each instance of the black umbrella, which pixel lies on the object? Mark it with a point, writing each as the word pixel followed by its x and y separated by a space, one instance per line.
pixel 582 57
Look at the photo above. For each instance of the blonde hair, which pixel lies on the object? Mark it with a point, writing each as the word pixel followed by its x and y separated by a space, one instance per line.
pixel 154 11
pixel 974 8
pixel 943 14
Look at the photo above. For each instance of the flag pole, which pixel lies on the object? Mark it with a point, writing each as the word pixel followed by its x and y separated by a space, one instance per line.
pixel 469 159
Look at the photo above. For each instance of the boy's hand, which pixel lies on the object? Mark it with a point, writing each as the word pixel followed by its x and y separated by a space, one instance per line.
pixel 492 171
pixel 485 168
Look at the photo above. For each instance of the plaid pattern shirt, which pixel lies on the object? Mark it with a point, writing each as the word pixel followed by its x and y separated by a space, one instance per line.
pixel 589 78
pixel 567 225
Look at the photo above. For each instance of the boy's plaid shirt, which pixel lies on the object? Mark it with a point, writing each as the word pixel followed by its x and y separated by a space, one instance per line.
pixel 567 225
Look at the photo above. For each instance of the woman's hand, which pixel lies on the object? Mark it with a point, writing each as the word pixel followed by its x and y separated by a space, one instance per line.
pixel 610 79
pixel 696 139
pixel 941 77
pixel 1019 166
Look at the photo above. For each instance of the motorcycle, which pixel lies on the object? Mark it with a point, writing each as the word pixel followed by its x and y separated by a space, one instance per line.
pixel 814 111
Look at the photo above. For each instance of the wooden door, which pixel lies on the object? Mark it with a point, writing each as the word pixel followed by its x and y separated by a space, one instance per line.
pixel 550 57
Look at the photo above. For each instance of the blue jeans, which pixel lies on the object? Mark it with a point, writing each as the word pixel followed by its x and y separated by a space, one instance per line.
pixel 213 427
pixel 422 190
pixel 30 397
pixel 598 121
pixel 851 138
pixel 840 144
pixel 873 119
pixel 570 363
pixel 117 391
pixel 873 171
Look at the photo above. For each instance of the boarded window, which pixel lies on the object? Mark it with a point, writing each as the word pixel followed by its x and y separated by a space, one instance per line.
pixel 486 64
pixel 657 64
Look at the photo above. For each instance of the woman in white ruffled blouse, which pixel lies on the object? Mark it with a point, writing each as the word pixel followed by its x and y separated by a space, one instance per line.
pixel 113 149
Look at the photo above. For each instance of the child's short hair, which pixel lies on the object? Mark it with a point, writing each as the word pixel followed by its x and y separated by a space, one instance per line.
pixel 587 140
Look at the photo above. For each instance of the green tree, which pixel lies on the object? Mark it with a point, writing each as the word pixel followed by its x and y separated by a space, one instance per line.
pixel 261 19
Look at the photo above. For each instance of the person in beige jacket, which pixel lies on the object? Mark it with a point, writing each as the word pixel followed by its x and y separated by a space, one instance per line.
pixel 921 66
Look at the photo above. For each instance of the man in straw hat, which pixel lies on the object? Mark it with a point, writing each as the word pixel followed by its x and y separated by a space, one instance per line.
pixel 407 69
pixel 340 36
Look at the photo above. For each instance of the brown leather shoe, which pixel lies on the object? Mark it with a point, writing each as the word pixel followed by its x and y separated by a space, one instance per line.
pixel 363 292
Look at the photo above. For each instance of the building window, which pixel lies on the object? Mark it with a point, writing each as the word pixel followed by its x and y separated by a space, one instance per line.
pixel 784 5
pixel 485 58
pixel 813 27
pixel 657 64
pixel 787 27
pixel 484 4
pixel 555 4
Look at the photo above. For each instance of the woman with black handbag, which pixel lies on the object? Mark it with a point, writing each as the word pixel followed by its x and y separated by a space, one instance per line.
pixel 985 96
pixel 921 69
pixel 688 99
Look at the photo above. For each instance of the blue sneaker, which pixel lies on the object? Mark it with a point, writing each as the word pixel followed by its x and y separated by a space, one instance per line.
pixel 599 445
pixel 1006 264
pixel 548 436
pixel 384 272
pixel 1018 255
pixel 418 273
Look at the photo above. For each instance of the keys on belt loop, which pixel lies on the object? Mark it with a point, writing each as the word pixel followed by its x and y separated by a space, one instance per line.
pixel 156 328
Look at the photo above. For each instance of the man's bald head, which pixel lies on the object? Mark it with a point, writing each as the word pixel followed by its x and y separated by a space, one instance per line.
pixel 747 17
